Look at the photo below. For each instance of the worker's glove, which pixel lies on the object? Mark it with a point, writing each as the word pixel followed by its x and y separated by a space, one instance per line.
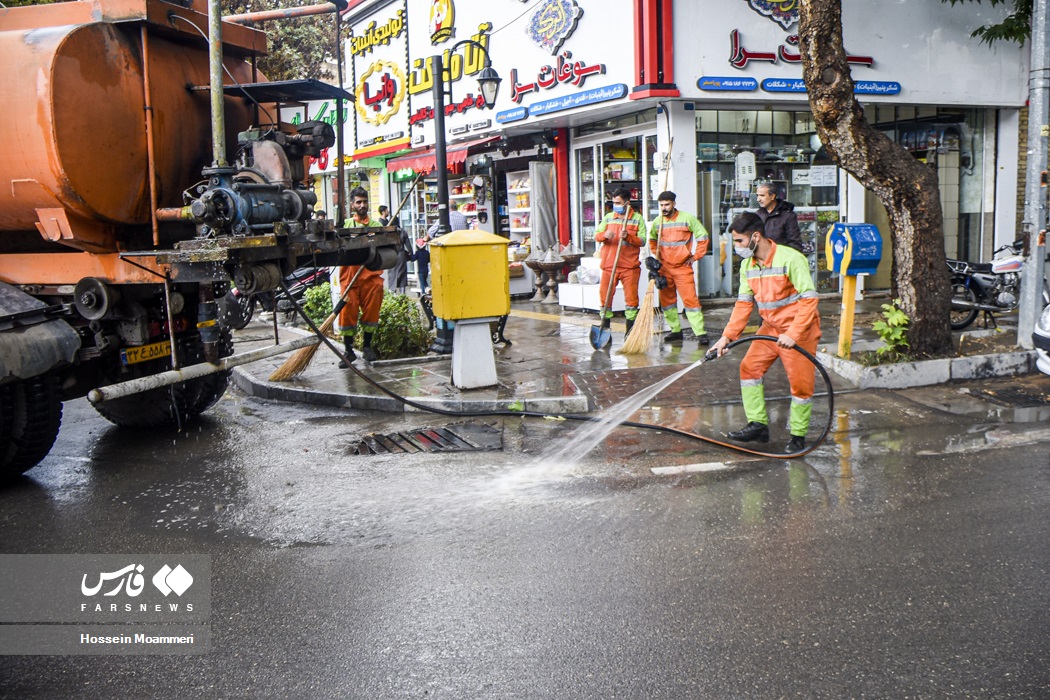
pixel 661 282
pixel 653 264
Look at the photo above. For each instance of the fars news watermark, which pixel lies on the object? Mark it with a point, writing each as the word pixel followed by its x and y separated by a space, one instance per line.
pixel 104 604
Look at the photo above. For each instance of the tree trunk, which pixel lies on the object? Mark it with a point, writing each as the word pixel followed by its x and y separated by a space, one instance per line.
pixel 907 188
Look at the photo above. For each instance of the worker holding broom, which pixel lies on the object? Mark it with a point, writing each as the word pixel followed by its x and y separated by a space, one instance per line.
pixel 677 240
pixel 776 278
pixel 621 230
pixel 366 293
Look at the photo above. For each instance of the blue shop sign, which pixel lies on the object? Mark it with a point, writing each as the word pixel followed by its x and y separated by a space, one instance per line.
pixel 579 99
pixel 784 85
pixel 512 115
pixel 713 83
pixel 876 87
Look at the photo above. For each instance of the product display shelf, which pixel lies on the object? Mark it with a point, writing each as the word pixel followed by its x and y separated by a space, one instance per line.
pixel 519 203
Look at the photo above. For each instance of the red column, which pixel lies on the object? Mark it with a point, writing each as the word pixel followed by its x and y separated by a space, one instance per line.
pixel 561 183
pixel 667 42
pixel 654 49
pixel 650 34
pixel 639 42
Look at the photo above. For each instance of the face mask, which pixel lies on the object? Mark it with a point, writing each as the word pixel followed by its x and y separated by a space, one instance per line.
pixel 747 252
pixel 619 208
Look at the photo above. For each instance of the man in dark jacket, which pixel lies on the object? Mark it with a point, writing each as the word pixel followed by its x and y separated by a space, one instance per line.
pixel 781 223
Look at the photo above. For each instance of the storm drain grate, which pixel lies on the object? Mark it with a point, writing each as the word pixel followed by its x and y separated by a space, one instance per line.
pixel 461 437
pixel 1015 397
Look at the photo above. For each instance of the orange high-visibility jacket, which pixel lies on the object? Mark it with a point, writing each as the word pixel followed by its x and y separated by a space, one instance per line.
pixel 347 272
pixel 608 232
pixel 782 287
pixel 676 235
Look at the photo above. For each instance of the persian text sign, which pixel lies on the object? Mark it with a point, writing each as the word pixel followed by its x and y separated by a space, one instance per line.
pixel 579 99
pixel 378 46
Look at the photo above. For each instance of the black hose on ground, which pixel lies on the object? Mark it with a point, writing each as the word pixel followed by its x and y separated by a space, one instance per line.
pixel 577 417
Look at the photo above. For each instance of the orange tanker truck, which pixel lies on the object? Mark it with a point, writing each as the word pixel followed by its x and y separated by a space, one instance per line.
pixel 144 169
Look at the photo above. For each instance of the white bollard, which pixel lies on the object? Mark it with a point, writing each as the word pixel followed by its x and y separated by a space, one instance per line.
pixel 473 357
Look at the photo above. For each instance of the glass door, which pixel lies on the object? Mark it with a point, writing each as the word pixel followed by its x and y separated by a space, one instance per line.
pixel 654 183
pixel 588 212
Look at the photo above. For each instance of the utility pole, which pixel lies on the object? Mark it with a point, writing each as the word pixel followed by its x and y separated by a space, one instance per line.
pixel 1035 222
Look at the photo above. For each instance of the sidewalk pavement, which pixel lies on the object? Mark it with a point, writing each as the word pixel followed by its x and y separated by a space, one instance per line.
pixel 549 367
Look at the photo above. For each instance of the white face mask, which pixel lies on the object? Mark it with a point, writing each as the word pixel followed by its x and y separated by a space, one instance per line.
pixel 747 252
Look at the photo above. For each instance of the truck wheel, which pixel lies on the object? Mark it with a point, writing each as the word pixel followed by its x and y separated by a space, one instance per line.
pixel 31 416
pixel 173 404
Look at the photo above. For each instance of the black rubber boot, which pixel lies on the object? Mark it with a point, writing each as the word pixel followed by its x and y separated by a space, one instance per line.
pixel 348 350
pixel 752 432
pixel 630 325
pixel 797 444
pixel 673 336
pixel 367 352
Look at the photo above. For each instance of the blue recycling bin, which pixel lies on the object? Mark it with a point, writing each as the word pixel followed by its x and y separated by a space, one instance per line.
pixel 853 249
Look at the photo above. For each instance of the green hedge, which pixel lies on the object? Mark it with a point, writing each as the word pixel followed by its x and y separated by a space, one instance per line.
pixel 402 328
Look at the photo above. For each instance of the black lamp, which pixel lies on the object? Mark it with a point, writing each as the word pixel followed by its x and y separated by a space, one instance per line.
pixel 488 82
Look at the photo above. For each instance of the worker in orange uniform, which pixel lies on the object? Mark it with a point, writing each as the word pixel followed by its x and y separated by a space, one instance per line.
pixel 366 296
pixel 776 278
pixel 677 240
pixel 626 224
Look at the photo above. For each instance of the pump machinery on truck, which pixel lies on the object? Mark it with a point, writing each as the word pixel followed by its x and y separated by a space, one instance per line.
pixel 145 168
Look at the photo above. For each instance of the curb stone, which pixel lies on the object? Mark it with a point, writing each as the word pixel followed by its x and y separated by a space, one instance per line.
pixel 906 375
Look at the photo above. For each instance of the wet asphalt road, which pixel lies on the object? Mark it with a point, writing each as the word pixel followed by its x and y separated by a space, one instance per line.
pixel 907 558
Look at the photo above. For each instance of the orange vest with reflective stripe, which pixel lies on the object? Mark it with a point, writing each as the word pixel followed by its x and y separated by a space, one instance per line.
pixel 782 288
pixel 676 235
pixel 608 233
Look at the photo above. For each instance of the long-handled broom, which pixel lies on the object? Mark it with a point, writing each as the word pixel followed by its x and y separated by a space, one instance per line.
pixel 297 363
pixel 640 339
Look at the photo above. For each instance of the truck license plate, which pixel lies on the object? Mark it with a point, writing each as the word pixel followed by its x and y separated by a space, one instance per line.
pixel 145 353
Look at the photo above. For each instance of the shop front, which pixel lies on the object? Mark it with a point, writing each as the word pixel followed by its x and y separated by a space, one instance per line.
pixel 702 98
pixel 744 118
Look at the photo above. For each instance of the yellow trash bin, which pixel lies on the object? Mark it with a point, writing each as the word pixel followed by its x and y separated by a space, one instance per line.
pixel 469 275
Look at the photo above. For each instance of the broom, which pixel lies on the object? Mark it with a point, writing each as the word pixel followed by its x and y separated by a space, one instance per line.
pixel 297 363
pixel 301 358
pixel 640 339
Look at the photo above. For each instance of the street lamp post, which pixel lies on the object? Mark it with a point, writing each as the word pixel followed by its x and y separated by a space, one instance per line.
pixel 488 83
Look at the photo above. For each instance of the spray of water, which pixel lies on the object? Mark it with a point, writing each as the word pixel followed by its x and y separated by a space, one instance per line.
pixel 569 452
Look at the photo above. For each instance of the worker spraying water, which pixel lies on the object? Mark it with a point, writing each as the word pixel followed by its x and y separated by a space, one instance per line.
pixel 777 280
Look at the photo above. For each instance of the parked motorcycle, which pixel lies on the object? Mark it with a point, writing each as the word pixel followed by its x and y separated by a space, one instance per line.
pixel 236 309
pixel 993 287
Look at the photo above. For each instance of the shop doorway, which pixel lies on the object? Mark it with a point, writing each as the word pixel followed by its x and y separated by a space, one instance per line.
pixel 603 165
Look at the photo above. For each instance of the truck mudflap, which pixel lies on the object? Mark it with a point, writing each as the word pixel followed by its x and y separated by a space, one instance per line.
pixel 31 343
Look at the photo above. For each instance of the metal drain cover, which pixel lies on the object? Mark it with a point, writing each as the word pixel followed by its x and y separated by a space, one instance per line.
pixel 460 437
pixel 1015 397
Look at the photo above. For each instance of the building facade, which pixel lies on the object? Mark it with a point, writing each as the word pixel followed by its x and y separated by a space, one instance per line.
pixel 703 97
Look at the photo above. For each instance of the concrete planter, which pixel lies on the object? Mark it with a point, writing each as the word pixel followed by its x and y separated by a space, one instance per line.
pixel 929 372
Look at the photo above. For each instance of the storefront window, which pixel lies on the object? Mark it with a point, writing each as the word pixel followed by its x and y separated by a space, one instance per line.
pixel 738 148
pixel 950 140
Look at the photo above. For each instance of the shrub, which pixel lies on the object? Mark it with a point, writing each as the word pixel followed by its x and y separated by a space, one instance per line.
pixel 317 302
pixel 402 328
pixel 893 330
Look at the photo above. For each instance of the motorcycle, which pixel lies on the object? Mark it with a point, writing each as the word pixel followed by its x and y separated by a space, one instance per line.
pixel 993 287
pixel 236 309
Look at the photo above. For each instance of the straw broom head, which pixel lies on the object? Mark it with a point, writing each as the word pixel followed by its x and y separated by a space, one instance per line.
pixel 640 340
pixel 300 359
